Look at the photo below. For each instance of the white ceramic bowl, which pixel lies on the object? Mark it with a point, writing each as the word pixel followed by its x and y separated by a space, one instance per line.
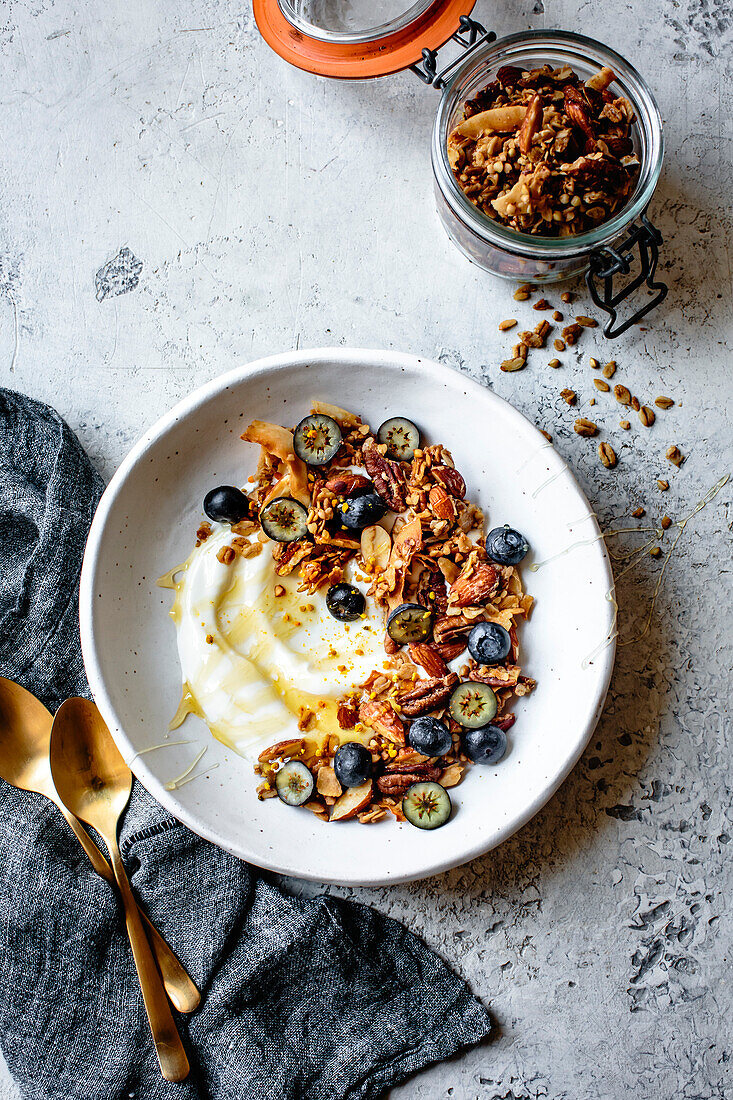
pixel 146 523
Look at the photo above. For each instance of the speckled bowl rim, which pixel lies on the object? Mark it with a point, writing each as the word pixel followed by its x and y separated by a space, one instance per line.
pixel 399 361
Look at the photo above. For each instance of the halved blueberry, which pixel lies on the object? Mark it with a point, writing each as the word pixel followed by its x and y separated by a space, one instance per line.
pixel 317 439
pixel 226 504
pixel 352 764
pixel 284 520
pixel 400 436
pixel 485 745
pixel 358 512
pixel 430 737
pixel 472 704
pixel 294 783
pixel 345 602
pixel 427 805
pixel 489 643
pixel 410 622
pixel 506 546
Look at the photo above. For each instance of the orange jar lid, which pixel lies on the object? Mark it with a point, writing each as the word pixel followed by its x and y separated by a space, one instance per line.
pixel 358 52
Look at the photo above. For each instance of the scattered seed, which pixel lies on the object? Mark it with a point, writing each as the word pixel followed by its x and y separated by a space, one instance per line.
pixel 279 590
pixel 509 323
pixel 542 303
pixel 592 401
pixel 625 424
pixel 638 513
pixel 520 295
pixel 566 297
pixel 585 427
pixel 526 288
pixel 570 396
pixel 610 369
pixel 646 415
pixel 622 394
pixel 656 551
pixel 674 454
pixel 558 345
pixel 663 485
pixel 635 404
pixel 547 435
pixel 594 363
pixel 557 316
pixel 587 322
pixel 666 523
pixel 663 402
pixel 554 363
pixel 513 364
pixel 607 455
pixel 601 385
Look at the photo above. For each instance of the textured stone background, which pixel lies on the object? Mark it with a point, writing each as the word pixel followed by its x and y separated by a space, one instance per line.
pixel 271 209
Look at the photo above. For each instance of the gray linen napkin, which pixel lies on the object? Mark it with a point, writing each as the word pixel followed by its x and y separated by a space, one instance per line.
pixel 302 1000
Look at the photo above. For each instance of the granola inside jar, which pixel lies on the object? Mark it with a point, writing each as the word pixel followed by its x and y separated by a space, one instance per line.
pixel 583 196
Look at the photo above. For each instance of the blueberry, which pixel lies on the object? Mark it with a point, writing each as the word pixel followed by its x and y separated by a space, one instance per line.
pixel 345 602
pixel 489 643
pixel 400 436
pixel 430 737
pixel 284 519
pixel 361 511
pixel 486 745
pixel 317 439
pixel 352 764
pixel 226 504
pixel 473 705
pixel 506 546
pixel 294 783
pixel 427 805
pixel 410 622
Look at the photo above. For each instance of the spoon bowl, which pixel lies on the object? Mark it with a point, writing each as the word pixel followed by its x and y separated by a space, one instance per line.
pixel 88 769
pixel 25 735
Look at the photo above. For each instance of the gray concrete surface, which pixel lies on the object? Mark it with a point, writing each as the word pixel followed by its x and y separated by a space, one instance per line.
pixel 270 209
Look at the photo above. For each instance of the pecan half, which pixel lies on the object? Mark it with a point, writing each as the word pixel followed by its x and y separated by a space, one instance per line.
pixel 380 717
pixel 427 695
pixel 347 715
pixel 396 783
pixel 506 721
pixel 450 629
pixel 451 480
pixel 450 650
pixel 429 657
pixel 475 584
pixel 388 476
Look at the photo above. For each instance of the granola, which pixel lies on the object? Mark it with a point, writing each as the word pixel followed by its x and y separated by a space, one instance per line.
pixel 544 153
pixel 427 553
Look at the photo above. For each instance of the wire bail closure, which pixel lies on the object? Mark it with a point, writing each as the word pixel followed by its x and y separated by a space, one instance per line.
pixel 608 262
pixel 471 35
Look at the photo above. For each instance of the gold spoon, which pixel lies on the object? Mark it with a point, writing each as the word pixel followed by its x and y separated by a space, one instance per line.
pixel 94 782
pixel 25 737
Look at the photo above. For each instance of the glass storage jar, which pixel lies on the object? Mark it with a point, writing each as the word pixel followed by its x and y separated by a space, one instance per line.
pixel 360 39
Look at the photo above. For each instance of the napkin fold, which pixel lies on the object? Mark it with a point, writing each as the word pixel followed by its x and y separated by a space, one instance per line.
pixel 318 999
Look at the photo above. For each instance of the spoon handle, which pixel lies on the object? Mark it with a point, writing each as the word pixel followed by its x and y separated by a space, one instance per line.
pixel 178 984
pixel 169 1048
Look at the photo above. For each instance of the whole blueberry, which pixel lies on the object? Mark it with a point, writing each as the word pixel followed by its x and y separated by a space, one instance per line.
pixel 489 643
pixel 361 511
pixel 345 602
pixel 485 745
pixel 430 737
pixel 506 546
pixel 352 764
pixel 226 504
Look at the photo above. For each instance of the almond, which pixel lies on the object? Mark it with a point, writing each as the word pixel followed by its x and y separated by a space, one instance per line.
pixel 351 801
pixel 441 504
pixel 344 484
pixel 380 716
pixel 428 657
pixel 376 546
pixel 283 750
pixel 474 585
